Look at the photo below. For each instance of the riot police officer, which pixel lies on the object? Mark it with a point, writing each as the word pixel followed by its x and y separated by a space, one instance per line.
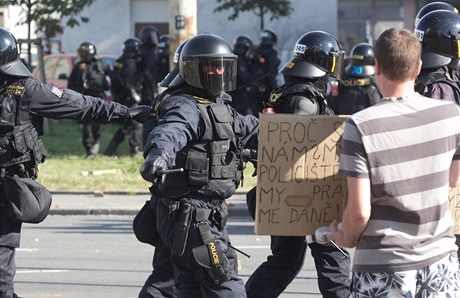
pixel 89 77
pixel 316 55
pixel 268 64
pixel 439 35
pixel 150 63
pixel 21 149
pixel 160 283
pixel 436 31
pixel 357 90
pixel 127 82
pixel 194 160
pixel 244 98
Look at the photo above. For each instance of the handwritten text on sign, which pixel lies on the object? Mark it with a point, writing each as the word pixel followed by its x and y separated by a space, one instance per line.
pixel 298 189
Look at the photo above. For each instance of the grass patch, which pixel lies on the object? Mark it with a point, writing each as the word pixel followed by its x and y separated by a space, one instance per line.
pixel 67 169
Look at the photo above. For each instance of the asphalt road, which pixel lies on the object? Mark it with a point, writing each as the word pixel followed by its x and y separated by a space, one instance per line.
pixel 98 256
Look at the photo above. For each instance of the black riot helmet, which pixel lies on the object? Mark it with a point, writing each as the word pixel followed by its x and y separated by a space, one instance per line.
pixel 268 37
pixel 361 62
pixel 150 36
pixel 243 44
pixel 432 7
pixel 207 62
pixel 316 54
pixel 175 70
pixel 86 51
pixel 439 33
pixel 10 62
pixel 132 46
pixel 165 39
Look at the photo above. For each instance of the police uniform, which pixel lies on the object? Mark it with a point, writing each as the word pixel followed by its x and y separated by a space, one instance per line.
pixel 151 68
pixel 441 83
pixel 186 136
pixel 353 94
pixel 244 98
pixel 357 89
pixel 21 150
pixel 131 77
pixel 89 78
pixel 268 65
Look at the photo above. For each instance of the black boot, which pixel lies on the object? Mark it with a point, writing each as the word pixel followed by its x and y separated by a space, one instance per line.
pixel 111 150
pixel 135 151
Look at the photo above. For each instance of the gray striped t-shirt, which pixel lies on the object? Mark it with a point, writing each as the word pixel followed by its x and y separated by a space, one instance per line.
pixel 405 146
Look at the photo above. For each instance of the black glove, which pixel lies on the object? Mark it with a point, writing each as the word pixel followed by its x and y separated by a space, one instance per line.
pixel 152 164
pixel 139 113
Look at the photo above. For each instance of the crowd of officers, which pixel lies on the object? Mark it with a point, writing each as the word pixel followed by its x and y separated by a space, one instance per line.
pixel 197 134
pixel 132 81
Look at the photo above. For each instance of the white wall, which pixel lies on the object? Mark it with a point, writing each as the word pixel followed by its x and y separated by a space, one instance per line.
pixel 112 21
pixel 109 25
pixel 308 15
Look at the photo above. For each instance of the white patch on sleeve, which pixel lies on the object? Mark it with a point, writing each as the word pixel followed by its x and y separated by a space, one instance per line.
pixel 56 91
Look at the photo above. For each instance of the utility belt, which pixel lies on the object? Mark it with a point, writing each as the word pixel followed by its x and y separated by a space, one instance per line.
pixel 210 255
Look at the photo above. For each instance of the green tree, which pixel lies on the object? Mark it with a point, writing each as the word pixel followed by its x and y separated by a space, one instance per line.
pixel 48 14
pixel 277 8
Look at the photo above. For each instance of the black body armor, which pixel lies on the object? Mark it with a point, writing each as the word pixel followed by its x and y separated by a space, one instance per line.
pixel 20 147
pixel 279 98
pixel 443 75
pixel 212 166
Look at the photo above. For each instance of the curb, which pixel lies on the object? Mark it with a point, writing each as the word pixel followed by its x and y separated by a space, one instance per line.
pixel 235 210
pixel 117 193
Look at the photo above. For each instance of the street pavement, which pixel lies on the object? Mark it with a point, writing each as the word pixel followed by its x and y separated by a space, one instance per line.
pixel 106 210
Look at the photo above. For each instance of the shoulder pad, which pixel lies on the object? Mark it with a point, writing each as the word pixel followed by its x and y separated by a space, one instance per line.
pixel 202 100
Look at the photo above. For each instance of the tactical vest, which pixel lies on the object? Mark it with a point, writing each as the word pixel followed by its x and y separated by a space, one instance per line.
pixel 212 165
pixel 20 147
pixel 93 75
pixel 279 97
pixel 438 77
pixel 355 94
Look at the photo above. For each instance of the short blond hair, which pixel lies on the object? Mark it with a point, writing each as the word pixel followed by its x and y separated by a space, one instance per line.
pixel 398 53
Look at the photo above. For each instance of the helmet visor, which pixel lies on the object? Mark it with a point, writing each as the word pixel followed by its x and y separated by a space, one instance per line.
pixel 434 40
pixel 335 66
pixel 214 74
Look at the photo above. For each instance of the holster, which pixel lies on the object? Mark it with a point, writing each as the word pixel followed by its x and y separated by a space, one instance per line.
pixel 181 229
pixel 210 255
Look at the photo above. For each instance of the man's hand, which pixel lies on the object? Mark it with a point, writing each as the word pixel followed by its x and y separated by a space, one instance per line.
pixel 139 113
pixel 152 164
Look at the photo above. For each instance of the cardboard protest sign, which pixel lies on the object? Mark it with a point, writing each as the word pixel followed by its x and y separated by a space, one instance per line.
pixel 454 207
pixel 298 188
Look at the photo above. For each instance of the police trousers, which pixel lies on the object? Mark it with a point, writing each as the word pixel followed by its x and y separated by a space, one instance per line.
pixel 189 276
pixel 9 240
pixel 288 253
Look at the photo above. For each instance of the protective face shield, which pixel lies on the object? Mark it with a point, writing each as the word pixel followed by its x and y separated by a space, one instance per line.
pixel 149 35
pixel 10 63
pixel 316 54
pixel 86 51
pixel 439 33
pixel 207 62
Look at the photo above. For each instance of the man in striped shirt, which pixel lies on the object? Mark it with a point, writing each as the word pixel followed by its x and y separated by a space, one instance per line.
pixel 400 156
